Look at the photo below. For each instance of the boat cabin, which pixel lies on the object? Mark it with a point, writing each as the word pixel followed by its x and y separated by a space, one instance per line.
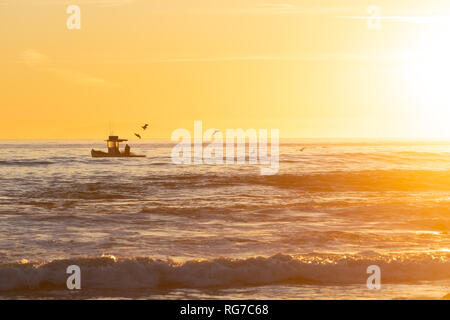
pixel 113 145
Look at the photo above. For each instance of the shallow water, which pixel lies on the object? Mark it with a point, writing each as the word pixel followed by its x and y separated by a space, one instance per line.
pixel 147 228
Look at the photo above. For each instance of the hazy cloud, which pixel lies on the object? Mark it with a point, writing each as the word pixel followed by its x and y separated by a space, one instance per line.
pixel 39 61
pixel 299 58
pixel 103 3
pixel 407 19
pixel 32 57
pixel 276 9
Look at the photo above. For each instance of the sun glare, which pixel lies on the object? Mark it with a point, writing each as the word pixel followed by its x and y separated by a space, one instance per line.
pixel 426 79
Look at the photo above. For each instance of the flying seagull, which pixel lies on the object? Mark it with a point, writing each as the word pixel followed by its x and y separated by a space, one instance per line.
pixel 302 149
pixel 138 135
pixel 216 132
pixel 145 126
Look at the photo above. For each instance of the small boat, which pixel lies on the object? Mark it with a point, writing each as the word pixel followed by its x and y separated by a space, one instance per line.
pixel 113 150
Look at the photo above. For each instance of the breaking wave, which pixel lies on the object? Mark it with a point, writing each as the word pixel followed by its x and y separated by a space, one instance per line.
pixel 25 163
pixel 107 272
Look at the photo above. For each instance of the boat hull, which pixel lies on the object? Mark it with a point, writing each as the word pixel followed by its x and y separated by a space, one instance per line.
pixel 101 154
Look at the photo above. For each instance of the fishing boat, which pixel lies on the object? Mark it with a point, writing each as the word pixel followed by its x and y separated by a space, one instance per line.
pixel 113 150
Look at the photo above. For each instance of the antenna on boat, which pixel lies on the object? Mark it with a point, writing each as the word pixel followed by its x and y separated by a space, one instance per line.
pixel 111 133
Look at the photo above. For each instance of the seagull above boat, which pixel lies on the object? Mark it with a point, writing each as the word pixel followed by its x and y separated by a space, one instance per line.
pixel 145 126
pixel 138 135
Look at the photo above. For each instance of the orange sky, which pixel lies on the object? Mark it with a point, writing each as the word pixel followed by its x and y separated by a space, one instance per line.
pixel 309 68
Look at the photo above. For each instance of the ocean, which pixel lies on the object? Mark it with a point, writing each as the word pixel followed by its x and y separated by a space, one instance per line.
pixel 145 228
